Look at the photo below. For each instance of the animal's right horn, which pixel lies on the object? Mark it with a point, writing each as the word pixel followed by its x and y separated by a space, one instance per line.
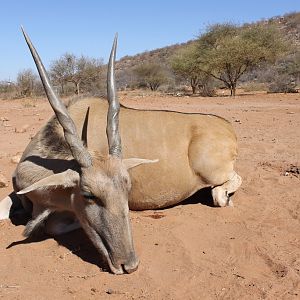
pixel 79 152
pixel 112 128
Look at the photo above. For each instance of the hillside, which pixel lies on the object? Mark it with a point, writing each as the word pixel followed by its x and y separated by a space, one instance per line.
pixel 289 24
pixel 160 55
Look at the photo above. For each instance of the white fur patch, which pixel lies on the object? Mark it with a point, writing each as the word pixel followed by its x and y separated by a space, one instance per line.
pixel 5 205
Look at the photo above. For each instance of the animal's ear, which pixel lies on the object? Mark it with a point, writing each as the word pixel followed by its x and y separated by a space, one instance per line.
pixel 134 162
pixel 66 179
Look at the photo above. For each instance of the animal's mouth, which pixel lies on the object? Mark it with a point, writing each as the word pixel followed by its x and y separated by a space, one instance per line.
pixel 123 268
pixel 101 246
pixel 119 269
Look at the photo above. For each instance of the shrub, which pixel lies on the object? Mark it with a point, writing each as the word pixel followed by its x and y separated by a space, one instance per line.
pixel 283 83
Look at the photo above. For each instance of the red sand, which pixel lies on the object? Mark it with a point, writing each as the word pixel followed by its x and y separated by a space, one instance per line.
pixel 190 251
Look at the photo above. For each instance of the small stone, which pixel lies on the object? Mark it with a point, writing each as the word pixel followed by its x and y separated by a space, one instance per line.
pixel 109 291
pixel 3 154
pixel 3 181
pixel 22 129
pixel 3 119
pixel 15 159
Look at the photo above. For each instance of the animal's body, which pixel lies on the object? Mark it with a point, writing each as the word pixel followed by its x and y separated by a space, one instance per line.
pixel 65 181
pixel 194 150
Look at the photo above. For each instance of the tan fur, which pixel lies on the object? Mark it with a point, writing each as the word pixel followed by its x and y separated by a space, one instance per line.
pixel 194 150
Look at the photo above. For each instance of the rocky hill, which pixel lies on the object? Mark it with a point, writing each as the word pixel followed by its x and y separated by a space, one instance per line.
pixel 160 55
pixel 289 24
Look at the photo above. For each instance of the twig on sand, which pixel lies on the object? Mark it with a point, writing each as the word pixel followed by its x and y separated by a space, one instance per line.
pixel 7 286
pixel 239 276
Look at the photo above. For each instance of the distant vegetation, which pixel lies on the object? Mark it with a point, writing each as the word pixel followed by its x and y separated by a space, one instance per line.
pixel 69 74
pixel 226 52
pixel 77 74
pixel 150 75
pixel 264 55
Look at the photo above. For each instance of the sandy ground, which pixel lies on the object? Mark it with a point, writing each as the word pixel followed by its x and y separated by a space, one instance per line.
pixel 192 250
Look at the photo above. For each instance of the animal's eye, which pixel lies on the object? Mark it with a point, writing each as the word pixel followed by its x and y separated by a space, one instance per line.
pixel 88 195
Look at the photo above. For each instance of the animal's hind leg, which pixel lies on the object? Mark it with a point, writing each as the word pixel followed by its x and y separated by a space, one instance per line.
pixel 221 194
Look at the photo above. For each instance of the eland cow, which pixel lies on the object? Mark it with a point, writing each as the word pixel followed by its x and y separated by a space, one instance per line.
pixel 76 172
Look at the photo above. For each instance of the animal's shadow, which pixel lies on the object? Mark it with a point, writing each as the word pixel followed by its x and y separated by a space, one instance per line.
pixel 203 196
pixel 77 242
pixel 17 214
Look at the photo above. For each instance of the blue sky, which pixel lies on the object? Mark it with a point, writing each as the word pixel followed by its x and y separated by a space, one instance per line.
pixel 87 26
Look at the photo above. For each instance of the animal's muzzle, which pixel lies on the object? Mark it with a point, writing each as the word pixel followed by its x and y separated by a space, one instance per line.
pixel 128 267
pixel 132 266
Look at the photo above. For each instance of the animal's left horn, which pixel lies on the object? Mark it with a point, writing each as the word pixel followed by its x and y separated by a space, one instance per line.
pixel 79 152
pixel 112 128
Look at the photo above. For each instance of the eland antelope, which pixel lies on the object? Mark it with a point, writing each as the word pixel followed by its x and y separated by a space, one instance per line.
pixel 76 172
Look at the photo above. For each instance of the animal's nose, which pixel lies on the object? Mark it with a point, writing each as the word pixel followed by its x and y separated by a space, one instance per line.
pixel 132 265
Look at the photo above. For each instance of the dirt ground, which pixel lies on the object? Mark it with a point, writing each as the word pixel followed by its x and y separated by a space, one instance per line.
pixel 192 250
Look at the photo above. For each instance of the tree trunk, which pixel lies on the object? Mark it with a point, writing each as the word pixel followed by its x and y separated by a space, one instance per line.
pixel 194 83
pixel 154 86
pixel 77 88
pixel 233 90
